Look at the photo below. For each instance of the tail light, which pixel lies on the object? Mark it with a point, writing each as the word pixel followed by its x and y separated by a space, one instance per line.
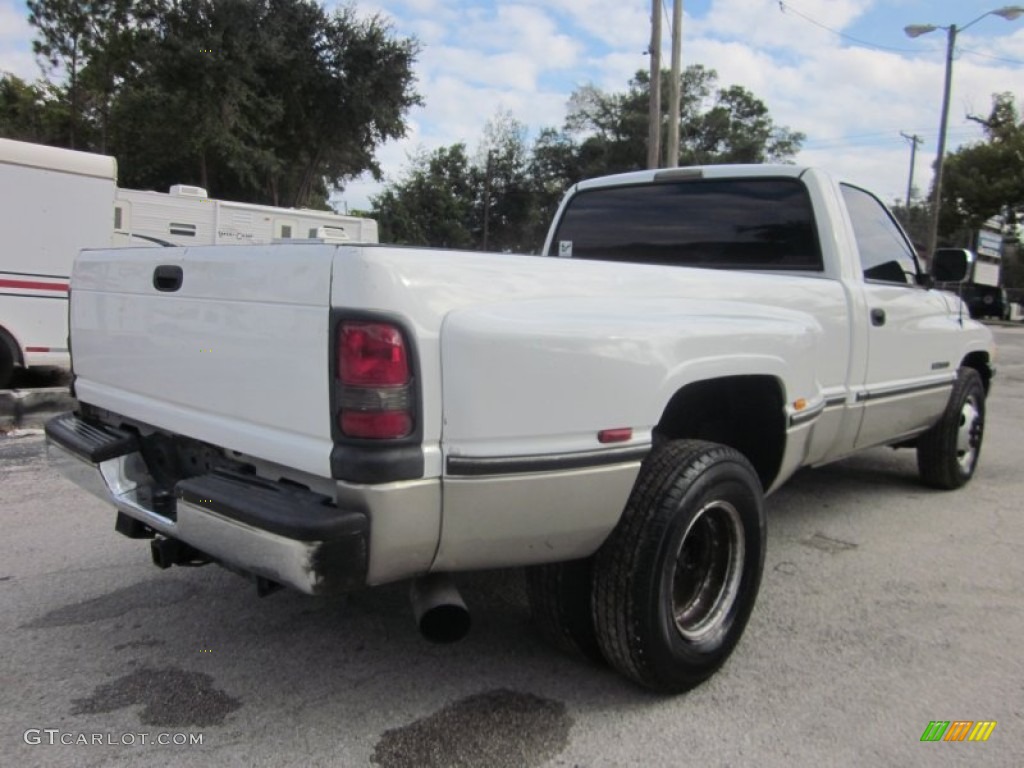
pixel 376 381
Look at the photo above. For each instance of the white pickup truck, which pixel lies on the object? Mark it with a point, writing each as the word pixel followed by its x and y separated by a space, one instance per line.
pixel 610 413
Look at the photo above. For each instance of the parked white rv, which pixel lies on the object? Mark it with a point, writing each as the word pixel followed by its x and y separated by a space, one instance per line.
pixel 58 201
pixel 187 216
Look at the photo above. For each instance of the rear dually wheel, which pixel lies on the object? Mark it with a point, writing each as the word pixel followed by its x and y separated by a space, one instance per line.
pixel 676 581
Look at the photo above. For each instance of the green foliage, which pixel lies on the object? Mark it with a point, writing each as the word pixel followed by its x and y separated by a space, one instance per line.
pixel 505 198
pixel 432 204
pixel 716 125
pixel 489 202
pixel 33 112
pixel 271 101
pixel 65 32
pixel 987 178
pixel 505 208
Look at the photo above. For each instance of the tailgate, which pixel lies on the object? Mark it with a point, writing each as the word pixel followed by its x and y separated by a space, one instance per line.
pixel 237 356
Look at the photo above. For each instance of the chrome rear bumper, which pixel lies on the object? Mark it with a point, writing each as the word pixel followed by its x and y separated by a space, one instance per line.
pixel 281 533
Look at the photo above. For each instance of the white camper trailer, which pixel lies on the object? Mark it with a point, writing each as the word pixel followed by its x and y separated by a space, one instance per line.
pixel 187 216
pixel 60 201
pixel 57 201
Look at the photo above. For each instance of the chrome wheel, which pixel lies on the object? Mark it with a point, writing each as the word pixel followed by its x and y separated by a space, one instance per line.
pixel 968 436
pixel 708 567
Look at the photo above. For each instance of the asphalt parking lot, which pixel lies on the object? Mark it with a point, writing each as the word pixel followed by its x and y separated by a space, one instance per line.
pixel 884 606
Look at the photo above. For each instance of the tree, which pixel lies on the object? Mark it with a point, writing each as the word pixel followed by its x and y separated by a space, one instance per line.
pixel 65 31
pixel 507 196
pixel 555 165
pixel 986 179
pixel 271 101
pixel 433 204
pixel 192 113
pixel 501 174
pixel 735 129
pixel 119 29
pixel 33 112
pixel 447 200
pixel 717 125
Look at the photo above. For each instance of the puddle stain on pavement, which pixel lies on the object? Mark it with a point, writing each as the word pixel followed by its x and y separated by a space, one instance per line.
pixel 495 729
pixel 171 698
pixel 141 596
pixel 828 544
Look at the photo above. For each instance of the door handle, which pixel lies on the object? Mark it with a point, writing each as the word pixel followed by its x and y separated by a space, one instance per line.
pixel 168 277
pixel 878 317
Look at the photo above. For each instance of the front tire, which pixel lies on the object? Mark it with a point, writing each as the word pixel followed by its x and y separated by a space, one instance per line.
pixel 677 579
pixel 947 454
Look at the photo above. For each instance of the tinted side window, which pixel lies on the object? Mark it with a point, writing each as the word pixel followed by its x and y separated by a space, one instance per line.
pixel 720 223
pixel 885 253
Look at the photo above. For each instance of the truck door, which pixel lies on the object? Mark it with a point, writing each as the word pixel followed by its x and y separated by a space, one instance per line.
pixel 908 371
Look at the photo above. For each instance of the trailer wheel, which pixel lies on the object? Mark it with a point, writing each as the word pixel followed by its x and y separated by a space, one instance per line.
pixel 560 602
pixel 677 579
pixel 6 364
pixel 947 454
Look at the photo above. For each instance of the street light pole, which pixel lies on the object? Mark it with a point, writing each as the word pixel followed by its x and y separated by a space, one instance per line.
pixel 933 229
pixel 1010 12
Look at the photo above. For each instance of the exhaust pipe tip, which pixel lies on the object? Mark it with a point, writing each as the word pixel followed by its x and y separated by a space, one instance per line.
pixel 439 610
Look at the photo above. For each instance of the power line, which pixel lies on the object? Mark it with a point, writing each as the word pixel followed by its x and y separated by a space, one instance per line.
pixel 869 139
pixel 989 56
pixel 786 7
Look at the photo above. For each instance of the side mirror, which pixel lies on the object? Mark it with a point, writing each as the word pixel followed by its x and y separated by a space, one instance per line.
pixel 950 265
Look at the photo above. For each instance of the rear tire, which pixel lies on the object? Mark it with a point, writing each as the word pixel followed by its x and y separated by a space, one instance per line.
pixel 676 581
pixel 947 454
pixel 560 602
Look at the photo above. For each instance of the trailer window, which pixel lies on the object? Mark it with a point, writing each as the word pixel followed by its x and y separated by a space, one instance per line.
pixel 716 223
pixel 283 228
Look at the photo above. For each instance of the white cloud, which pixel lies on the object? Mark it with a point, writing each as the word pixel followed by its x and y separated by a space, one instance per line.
pixel 766 25
pixel 614 71
pixel 616 23
pixel 850 99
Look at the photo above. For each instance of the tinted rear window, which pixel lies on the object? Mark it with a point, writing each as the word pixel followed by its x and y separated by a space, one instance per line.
pixel 719 223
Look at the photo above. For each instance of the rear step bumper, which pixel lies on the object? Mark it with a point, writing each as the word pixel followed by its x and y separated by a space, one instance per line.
pixel 275 531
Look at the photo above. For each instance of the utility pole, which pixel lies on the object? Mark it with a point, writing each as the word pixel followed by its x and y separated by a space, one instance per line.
pixel 940 156
pixel 487 197
pixel 654 128
pixel 672 152
pixel 914 141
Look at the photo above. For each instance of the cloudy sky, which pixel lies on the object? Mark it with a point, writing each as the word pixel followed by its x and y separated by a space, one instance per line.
pixel 840 71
